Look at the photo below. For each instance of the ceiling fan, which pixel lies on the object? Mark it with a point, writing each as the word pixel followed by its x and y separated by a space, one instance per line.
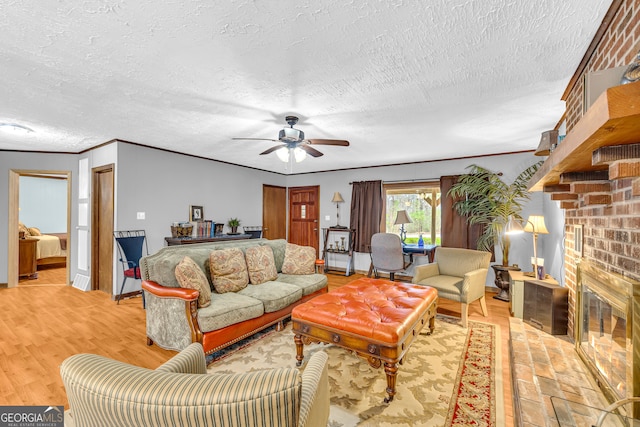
pixel 293 142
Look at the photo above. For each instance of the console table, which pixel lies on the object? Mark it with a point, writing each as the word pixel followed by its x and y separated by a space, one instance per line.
pixel 174 241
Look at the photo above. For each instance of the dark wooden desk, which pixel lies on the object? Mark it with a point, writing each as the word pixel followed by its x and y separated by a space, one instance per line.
pixel 412 248
pixel 174 241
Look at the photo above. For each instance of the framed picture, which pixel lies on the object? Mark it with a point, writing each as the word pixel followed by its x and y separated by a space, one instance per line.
pixel 578 238
pixel 196 213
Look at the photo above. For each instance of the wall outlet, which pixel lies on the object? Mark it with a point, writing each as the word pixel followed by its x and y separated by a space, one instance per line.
pixel 327 217
pixel 140 215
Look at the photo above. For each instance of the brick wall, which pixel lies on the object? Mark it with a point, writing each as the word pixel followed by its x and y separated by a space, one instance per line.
pixel 611 233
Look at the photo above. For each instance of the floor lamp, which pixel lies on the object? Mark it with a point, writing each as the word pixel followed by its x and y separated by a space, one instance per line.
pixel 535 224
pixel 402 218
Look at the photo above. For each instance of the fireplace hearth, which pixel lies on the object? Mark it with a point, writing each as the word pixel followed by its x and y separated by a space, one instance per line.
pixel 608 330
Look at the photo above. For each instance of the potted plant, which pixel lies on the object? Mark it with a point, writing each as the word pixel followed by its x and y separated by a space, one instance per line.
pixel 233 223
pixel 486 199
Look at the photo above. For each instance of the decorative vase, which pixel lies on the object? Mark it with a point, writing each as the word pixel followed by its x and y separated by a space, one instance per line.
pixel 420 241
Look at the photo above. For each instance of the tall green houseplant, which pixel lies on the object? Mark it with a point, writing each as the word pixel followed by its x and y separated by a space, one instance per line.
pixel 484 198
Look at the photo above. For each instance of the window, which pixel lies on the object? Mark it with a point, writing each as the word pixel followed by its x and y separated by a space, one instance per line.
pixel 421 200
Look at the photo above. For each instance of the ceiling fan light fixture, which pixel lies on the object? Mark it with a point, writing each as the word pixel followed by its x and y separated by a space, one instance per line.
pixel 291 134
pixel 15 128
pixel 285 153
pixel 299 154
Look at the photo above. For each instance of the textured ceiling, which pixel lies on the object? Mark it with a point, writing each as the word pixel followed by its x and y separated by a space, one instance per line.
pixel 403 81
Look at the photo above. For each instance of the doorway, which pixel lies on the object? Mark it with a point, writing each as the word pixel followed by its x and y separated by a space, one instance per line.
pixel 304 211
pixel 102 201
pixel 274 212
pixel 13 252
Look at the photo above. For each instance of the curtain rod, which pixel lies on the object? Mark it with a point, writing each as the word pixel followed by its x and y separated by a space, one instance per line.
pixel 399 181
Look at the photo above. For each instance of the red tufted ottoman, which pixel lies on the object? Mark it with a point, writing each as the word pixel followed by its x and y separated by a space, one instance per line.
pixel 376 318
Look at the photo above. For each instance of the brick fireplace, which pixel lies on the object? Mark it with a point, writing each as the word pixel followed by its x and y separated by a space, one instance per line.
pixel 594 174
pixel 599 190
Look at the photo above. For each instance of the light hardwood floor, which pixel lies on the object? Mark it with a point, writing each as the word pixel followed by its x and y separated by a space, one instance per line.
pixel 43 322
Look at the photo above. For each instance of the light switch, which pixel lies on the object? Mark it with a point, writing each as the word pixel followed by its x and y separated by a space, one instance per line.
pixel 327 217
pixel 140 215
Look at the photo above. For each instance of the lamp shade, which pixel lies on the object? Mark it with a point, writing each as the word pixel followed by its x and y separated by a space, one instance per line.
pixel 535 224
pixel 547 142
pixel 337 198
pixel 513 226
pixel 402 218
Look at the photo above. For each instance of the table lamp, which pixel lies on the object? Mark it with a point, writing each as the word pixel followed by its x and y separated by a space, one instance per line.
pixel 402 218
pixel 337 199
pixel 535 224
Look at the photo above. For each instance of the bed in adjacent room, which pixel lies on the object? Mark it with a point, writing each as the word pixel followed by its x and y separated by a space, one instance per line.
pixel 50 249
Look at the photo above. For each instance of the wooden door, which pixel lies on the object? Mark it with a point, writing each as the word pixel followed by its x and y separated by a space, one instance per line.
pixel 304 210
pixel 274 212
pixel 102 229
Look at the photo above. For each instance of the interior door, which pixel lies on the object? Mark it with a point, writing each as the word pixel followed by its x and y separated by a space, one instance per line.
pixel 102 229
pixel 304 211
pixel 274 212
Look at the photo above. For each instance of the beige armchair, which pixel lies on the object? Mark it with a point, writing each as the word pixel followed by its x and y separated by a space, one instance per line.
pixel 105 392
pixel 458 275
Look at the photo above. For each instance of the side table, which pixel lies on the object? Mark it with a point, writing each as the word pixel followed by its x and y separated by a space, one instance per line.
pixel 27 263
pixel 516 289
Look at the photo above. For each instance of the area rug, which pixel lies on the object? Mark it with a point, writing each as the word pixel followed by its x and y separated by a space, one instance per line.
pixel 450 378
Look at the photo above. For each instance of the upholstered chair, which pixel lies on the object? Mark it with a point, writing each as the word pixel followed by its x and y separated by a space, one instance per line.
pixel 105 392
pixel 458 275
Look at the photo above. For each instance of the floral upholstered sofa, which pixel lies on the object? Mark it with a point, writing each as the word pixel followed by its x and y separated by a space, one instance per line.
pixel 219 293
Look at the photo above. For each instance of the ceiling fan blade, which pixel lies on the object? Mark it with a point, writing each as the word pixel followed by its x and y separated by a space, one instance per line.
pixel 255 139
pixel 272 149
pixel 311 151
pixel 340 142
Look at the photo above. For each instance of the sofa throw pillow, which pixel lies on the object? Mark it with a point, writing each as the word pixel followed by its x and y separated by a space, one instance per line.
pixel 228 270
pixel 261 264
pixel 299 259
pixel 190 276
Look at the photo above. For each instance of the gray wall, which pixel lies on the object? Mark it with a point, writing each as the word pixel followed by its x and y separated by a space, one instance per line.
pixel 163 185
pixel 510 165
pixel 28 161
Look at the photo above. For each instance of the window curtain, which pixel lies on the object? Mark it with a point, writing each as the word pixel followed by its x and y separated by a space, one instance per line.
pixel 456 232
pixel 366 212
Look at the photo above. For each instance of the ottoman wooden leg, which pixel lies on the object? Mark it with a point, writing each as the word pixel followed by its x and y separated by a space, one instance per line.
pixel 391 369
pixel 299 349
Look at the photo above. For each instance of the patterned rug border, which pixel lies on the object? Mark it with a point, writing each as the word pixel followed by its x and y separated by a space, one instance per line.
pixel 464 411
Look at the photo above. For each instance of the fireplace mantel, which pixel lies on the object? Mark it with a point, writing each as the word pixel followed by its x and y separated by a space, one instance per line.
pixel 613 119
